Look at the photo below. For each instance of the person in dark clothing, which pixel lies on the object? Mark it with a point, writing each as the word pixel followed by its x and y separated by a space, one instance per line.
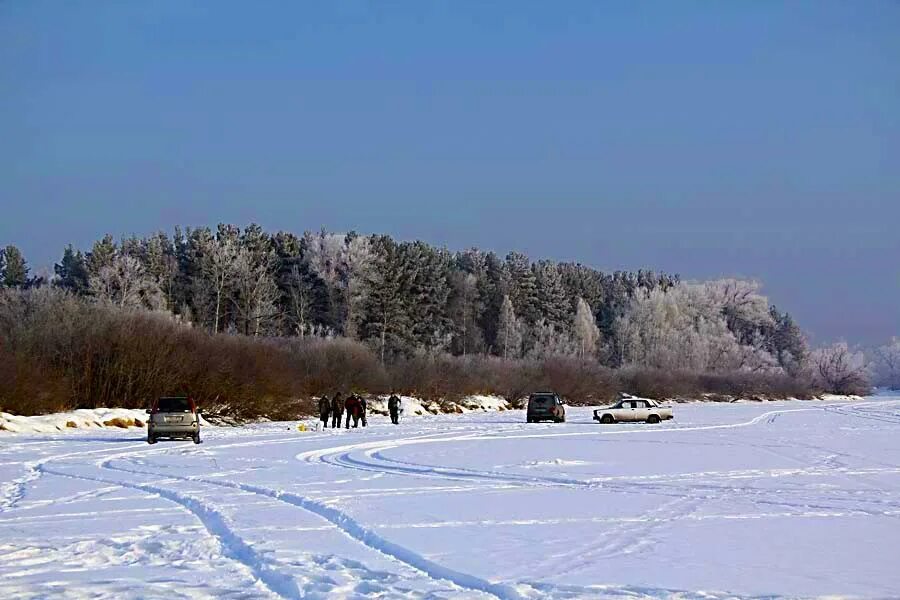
pixel 394 409
pixel 363 406
pixel 337 411
pixel 352 408
pixel 324 411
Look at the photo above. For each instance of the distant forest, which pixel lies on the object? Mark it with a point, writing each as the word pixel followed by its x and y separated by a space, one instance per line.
pixel 401 315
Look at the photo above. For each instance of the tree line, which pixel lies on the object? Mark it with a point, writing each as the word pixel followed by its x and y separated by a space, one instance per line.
pixel 410 301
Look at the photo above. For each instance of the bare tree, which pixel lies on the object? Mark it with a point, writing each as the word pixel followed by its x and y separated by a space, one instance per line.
pixel 841 370
pixel 887 364
pixel 253 291
pixel 586 329
pixel 126 283
pixel 217 266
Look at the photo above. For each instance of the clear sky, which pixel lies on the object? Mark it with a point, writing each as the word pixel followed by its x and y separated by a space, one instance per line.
pixel 755 139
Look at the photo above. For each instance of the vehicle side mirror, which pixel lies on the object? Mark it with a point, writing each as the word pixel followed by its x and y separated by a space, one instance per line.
pixel 149 411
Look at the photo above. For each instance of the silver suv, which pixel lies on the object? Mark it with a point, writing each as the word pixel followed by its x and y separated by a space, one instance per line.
pixel 173 417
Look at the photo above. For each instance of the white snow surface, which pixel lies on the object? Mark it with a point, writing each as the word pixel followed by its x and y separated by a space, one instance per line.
pixel 744 500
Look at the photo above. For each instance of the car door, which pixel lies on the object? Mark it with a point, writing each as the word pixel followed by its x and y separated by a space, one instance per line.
pixel 641 410
pixel 625 413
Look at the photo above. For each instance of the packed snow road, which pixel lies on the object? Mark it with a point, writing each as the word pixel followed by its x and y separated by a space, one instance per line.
pixel 795 499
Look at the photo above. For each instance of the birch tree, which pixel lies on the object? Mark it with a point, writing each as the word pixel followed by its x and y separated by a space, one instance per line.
pixel 586 330
pixel 217 265
pixel 509 330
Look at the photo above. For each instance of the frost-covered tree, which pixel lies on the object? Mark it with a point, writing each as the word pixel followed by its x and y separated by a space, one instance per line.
pixel 14 272
pixel 217 258
pixel 304 297
pixel 101 255
pixel 746 311
pixel 521 287
pixel 553 305
pixel 465 306
pixel 125 283
pixel 354 270
pixel 252 291
pixel 384 318
pixel 158 256
pixel 683 329
pixel 841 370
pixel 887 364
pixel 586 331
pixel 509 331
pixel 547 341
pixel 429 292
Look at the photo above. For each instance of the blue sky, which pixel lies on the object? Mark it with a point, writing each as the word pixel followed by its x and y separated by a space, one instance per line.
pixel 754 139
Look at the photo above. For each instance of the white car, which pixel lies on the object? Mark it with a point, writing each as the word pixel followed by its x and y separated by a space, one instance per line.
pixel 633 410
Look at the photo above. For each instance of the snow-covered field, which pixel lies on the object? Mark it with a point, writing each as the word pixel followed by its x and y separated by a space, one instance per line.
pixel 795 499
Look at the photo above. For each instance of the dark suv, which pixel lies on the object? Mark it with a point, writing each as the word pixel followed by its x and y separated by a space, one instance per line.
pixel 545 406
pixel 173 417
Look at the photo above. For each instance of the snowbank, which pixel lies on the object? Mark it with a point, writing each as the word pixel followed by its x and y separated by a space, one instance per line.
pixel 77 419
pixel 417 406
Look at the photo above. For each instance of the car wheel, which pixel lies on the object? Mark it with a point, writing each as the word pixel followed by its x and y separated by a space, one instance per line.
pixel 606 419
pixel 653 419
pixel 151 439
pixel 196 438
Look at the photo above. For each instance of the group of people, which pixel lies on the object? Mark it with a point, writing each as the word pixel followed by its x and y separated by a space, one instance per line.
pixel 356 407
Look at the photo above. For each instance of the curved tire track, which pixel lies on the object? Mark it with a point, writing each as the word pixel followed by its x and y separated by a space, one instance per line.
pixel 233 545
pixel 355 530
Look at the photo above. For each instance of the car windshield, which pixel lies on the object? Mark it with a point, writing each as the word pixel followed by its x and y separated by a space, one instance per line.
pixel 173 405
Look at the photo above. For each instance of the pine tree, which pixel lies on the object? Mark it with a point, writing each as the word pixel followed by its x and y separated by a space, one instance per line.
pixel 551 296
pixel 384 319
pixel 491 285
pixel 71 271
pixel 15 269
pixel 428 295
pixel 161 264
pixel 521 286
pixel 101 255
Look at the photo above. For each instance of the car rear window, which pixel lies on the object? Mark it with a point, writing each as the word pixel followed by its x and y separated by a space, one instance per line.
pixel 173 405
pixel 543 400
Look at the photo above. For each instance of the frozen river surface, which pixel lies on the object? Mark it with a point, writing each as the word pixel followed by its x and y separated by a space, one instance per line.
pixel 795 499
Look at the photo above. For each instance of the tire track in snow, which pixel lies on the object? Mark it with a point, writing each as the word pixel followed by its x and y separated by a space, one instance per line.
pixel 233 546
pixel 342 455
pixel 354 529
pixel 16 490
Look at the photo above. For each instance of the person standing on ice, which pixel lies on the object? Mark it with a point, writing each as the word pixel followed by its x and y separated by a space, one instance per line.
pixel 324 410
pixel 394 409
pixel 352 408
pixel 363 406
pixel 337 411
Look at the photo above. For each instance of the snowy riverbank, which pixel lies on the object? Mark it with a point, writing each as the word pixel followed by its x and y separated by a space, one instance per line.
pixel 124 418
